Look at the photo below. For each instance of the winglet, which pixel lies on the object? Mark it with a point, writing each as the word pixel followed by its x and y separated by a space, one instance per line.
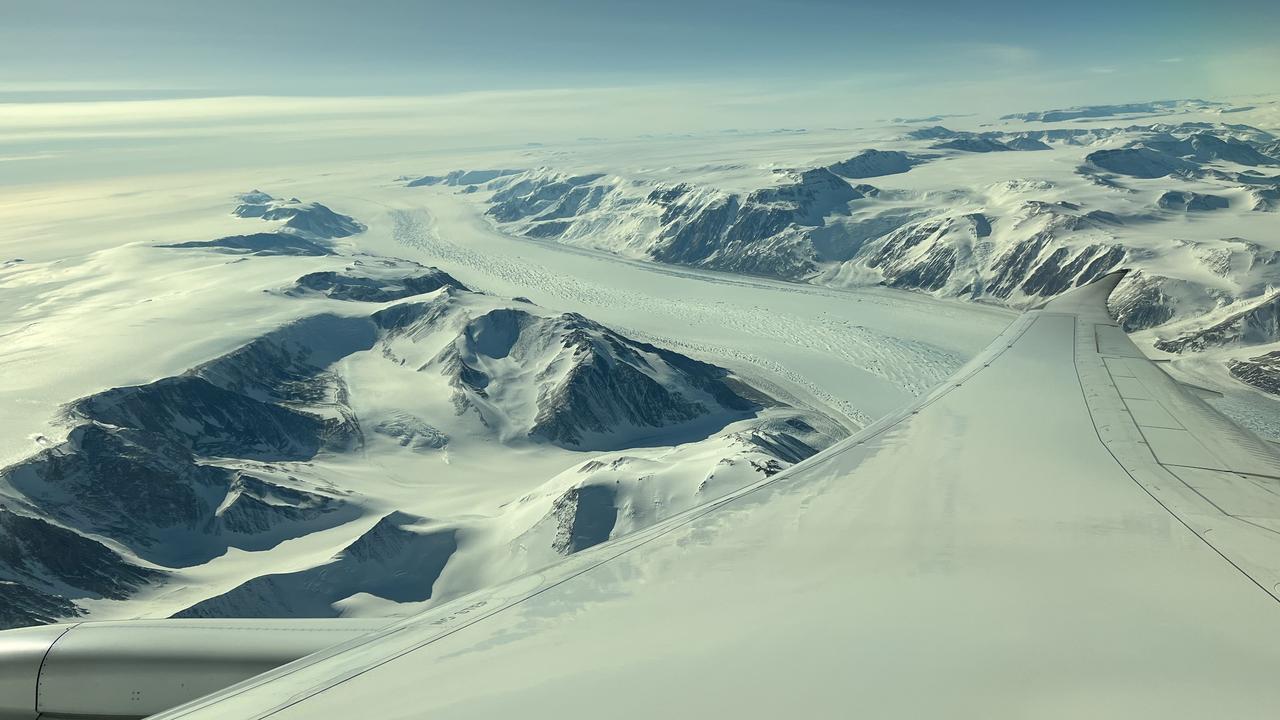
pixel 1087 299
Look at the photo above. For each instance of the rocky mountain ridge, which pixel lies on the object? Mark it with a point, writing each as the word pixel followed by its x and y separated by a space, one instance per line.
pixel 230 456
pixel 1016 242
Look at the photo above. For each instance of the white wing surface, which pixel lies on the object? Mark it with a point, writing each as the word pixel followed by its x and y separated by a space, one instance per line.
pixel 1060 531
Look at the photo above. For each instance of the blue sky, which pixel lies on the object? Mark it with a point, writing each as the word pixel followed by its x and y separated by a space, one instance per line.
pixel 884 52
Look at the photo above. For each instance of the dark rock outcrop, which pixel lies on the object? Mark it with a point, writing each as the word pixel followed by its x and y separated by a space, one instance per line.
pixel 398 559
pixel 953 254
pixel 765 232
pixel 153 496
pixel 308 219
pixel 923 255
pixel 1262 372
pixel 547 198
pixel 585 516
pixel 1265 199
pixel 263 244
pixel 1208 147
pixel 1255 325
pixel 1190 201
pixel 44 568
pixel 874 163
pixel 1099 111
pixel 1140 162
pixel 366 286
pixel 934 132
pixel 973 144
pixel 595 389
pixel 461 177
pixel 413 433
pixel 1023 143
pixel 207 420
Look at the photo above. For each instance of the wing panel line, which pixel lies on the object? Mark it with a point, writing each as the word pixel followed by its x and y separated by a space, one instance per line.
pixel 1093 417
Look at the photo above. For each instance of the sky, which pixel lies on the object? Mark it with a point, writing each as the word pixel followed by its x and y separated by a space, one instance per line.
pixel 499 71
pixel 425 47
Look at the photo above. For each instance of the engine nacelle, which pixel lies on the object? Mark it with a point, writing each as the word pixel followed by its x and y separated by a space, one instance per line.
pixel 135 668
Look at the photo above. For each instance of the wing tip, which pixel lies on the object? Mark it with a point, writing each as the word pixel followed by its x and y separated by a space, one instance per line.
pixel 1086 298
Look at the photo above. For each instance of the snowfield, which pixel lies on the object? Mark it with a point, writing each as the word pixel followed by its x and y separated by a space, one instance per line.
pixel 362 390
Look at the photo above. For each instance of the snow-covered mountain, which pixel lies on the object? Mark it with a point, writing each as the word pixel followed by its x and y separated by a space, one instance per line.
pixel 303 228
pixel 229 456
pixel 1129 109
pixel 875 163
pixel 47 567
pixel 1127 198
pixel 408 559
pixel 307 219
pixel 271 408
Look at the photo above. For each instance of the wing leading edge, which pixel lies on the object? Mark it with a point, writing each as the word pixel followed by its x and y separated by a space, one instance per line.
pixel 1061 530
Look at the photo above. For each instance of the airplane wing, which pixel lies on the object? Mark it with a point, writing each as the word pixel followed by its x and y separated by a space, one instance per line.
pixel 1061 530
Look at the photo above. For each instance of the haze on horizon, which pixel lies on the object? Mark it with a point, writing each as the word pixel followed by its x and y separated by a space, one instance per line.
pixel 79 75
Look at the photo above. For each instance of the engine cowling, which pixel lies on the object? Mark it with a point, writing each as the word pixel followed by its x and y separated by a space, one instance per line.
pixel 136 668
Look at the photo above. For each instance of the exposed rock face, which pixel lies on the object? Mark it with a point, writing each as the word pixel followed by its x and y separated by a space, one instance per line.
pixel 44 568
pixel 1038 267
pixel 208 420
pixel 585 517
pixel 364 285
pixel 874 163
pixel 1145 300
pixel 262 244
pixel 153 496
pixel 398 559
pixel 1172 151
pixel 615 494
pixel 290 364
pixel 548 198
pixel 980 142
pixel 933 132
pixel 1142 302
pixel 126 485
pixel 461 177
pixel 1262 372
pixel 1207 147
pixel 956 254
pixel 593 388
pixel 23 606
pixel 308 219
pixel 599 393
pixel 811 229
pixel 1250 178
pixel 1190 201
pixel 924 255
pixel 181 469
pixel 303 231
pixel 1265 199
pixel 815 225
pixel 973 144
pixel 137 464
pixel 791 440
pixel 1097 111
pixel 1140 162
pixel 766 232
pixel 413 433
pixel 262 509
pixel 1253 326
pixel 1026 143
